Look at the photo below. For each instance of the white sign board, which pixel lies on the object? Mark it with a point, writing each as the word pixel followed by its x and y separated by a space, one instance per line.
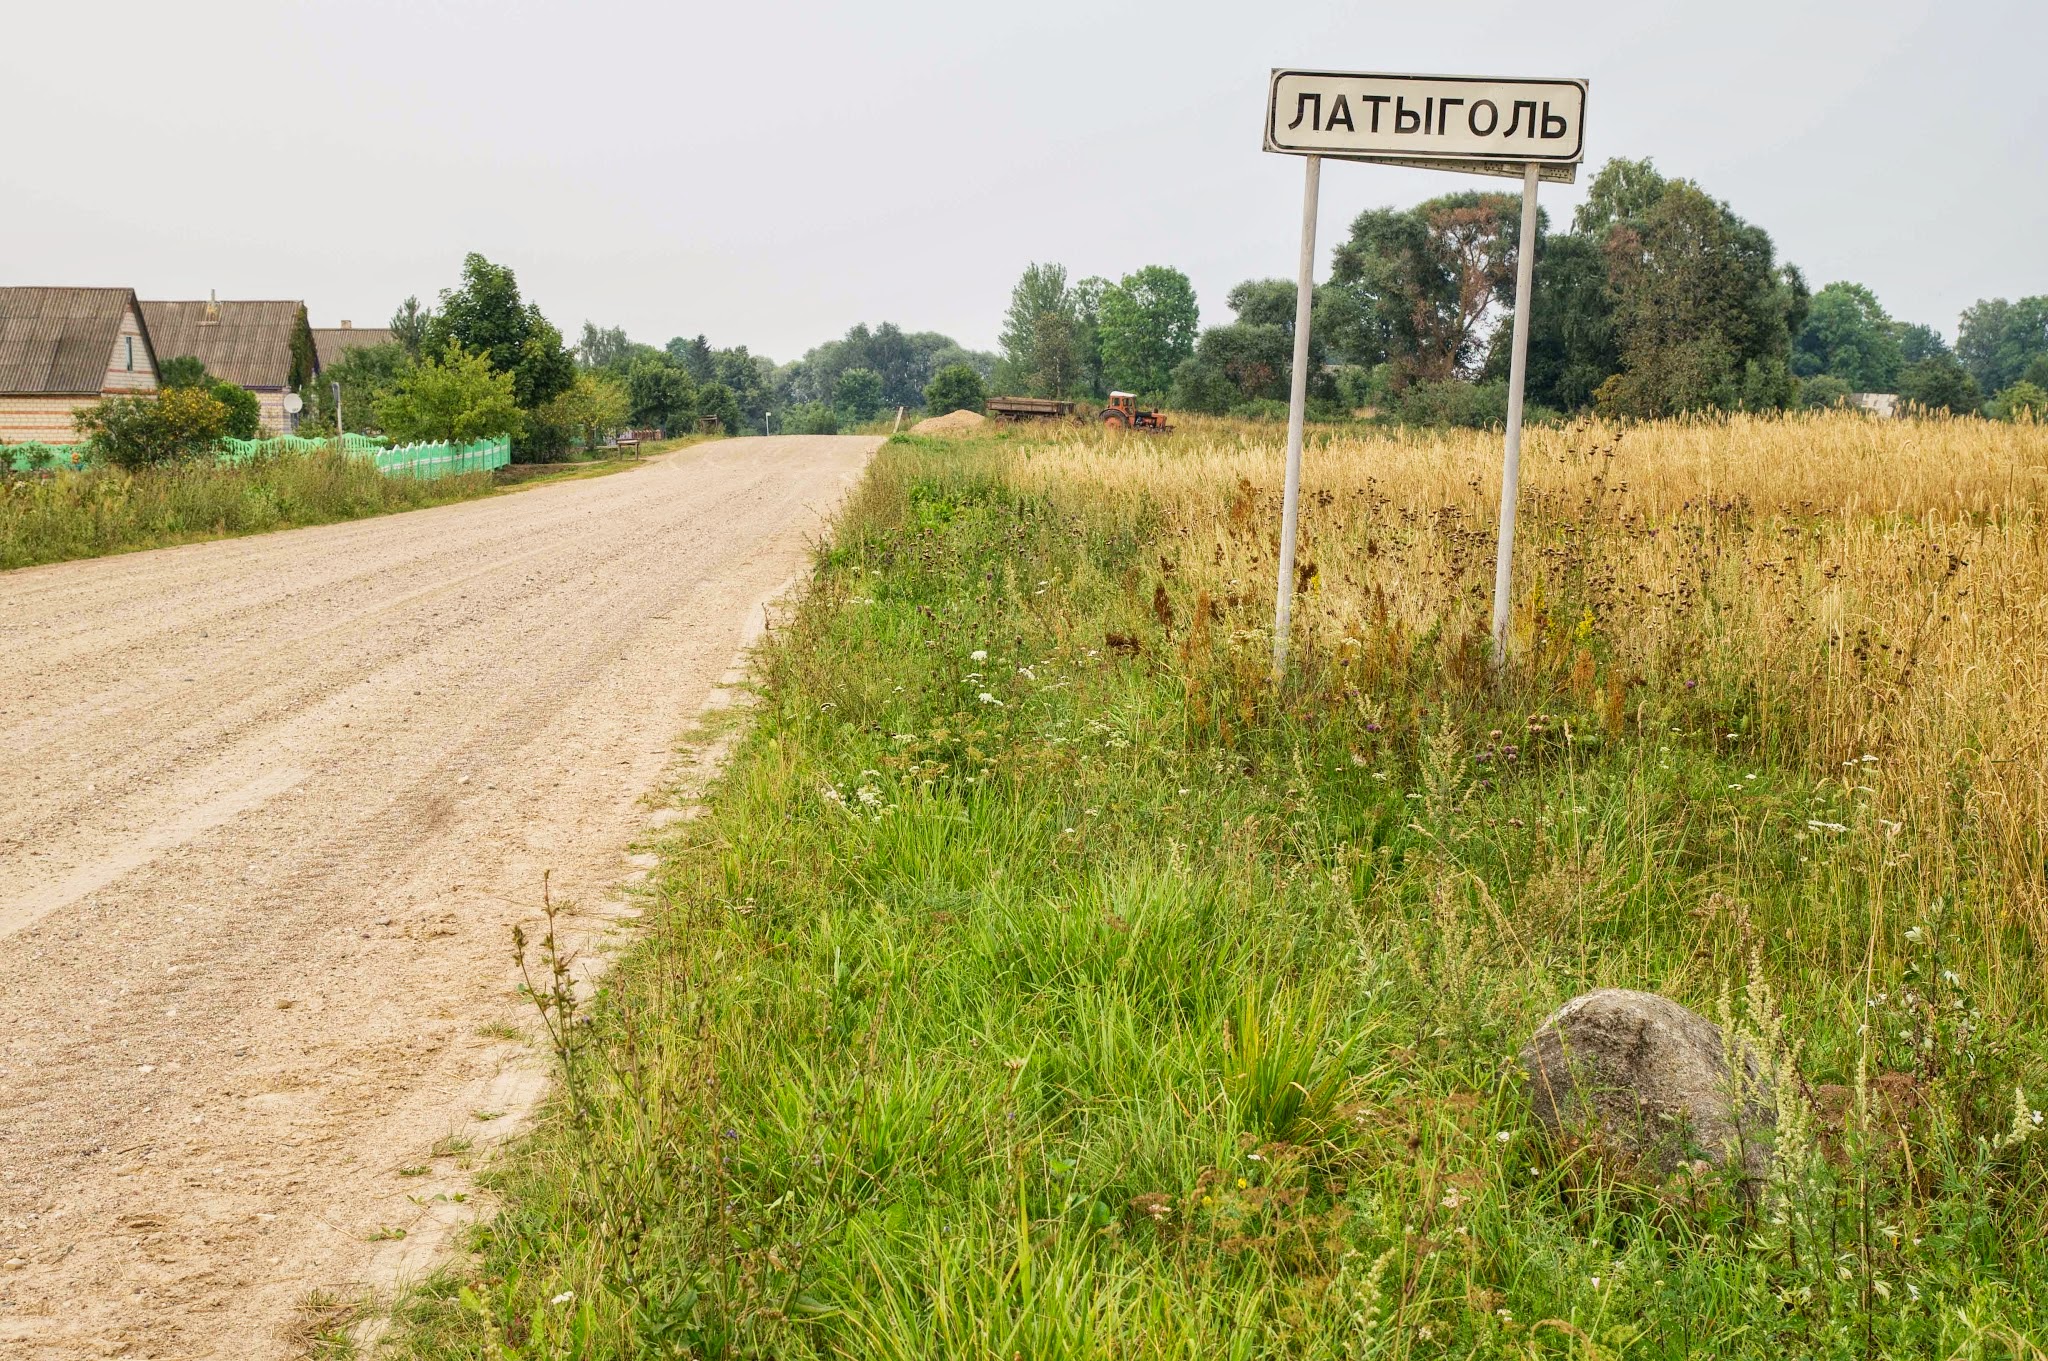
pixel 1470 123
pixel 1529 129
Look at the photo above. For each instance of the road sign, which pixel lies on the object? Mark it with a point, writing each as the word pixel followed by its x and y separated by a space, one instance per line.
pixel 1529 128
pixel 1470 123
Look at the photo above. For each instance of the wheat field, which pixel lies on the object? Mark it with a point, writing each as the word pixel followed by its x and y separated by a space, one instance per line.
pixel 1876 588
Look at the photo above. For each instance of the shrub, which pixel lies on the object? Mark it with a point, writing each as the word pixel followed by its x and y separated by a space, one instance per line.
pixel 810 418
pixel 135 432
pixel 956 387
pixel 245 413
pixel 2023 400
pixel 1823 390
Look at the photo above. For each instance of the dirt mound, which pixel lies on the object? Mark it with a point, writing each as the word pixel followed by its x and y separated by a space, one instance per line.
pixel 951 421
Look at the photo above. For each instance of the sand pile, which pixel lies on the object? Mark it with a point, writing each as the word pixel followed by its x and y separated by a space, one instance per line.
pixel 951 421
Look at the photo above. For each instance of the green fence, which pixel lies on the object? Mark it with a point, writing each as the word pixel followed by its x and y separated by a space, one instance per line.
pixel 31 457
pixel 242 450
pixel 405 460
pixel 445 460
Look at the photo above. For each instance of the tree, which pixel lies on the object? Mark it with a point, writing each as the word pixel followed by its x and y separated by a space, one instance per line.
pixel 593 407
pixel 1087 296
pixel 1940 384
pixel 1999 339
pixel 244 412
pixel 1040 334
pixel 367 374
pixel 486 319
pixel 694 356
pixel 1623 191
pixel 1572 344
pixel 858 395
pixel 957 387
pixel 659 393
pixel 2024 400
pixel 1148 324
pixel 603 347
pixel 1847 334
pixel 1251 359
pixel 409 325
pixel 1248 361
pixel 741 374
pixel 138 432
pixel 1703 315
pixel 1917 342
pixel 2037 372
pixel 1424 281
pixel 456 396
pixel 716 400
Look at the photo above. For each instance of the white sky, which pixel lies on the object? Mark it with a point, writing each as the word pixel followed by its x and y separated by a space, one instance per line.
pixel 769 173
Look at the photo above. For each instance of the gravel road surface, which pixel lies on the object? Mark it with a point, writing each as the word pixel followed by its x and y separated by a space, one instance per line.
pixel 269 808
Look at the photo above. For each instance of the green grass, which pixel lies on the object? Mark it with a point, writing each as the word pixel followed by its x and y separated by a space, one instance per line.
pixel 1008 1003
pixel 108 510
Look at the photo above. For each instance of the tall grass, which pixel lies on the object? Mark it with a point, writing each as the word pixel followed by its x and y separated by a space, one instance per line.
pixel 109 510
pixel 1045 982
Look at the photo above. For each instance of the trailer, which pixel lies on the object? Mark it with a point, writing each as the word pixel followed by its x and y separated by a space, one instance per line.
pixel 1029 409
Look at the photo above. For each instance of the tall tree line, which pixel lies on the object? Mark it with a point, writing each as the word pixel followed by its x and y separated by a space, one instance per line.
pixel 1659 299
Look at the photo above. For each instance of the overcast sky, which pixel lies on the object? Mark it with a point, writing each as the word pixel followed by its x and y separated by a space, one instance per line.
pixel 770 173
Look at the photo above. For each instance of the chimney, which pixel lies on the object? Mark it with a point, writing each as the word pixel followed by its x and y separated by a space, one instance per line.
pixel 212 313
pixel 347 325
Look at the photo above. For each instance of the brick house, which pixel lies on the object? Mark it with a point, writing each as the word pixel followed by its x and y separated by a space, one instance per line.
pixel 266 347
pixel 66 348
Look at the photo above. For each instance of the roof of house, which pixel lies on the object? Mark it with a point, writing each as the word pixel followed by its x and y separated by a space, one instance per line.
pixel 247 343
pixel 332 342
pixel 60 340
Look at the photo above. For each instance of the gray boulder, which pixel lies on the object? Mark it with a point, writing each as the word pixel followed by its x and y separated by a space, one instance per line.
pixel 1638 1075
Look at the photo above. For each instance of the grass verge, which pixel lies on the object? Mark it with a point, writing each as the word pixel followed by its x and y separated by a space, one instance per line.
pixel 1042 982
pixel 109 510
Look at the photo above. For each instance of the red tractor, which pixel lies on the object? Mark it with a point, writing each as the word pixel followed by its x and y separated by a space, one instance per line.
pixel 1122 413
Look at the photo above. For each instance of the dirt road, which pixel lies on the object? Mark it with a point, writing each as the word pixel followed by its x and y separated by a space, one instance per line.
pixel 268 811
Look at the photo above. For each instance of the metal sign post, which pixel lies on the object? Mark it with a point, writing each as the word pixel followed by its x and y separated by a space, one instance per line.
pixel 1297 410
pixel 1528 129
pixel 1511 456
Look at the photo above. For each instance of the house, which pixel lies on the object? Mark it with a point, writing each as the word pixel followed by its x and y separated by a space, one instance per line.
pixel 266 347
pixel 330 343
pixel 1885 404
pixel 66 348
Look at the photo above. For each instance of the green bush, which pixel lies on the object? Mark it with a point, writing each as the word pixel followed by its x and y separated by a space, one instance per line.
pixel 810 418
pixel 1823 390
pixel 457 397
pixel 956 387
pixel 136 432
pixel 2022 400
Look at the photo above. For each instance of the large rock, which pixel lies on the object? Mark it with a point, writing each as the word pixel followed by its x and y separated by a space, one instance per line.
pixel 1639 1075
